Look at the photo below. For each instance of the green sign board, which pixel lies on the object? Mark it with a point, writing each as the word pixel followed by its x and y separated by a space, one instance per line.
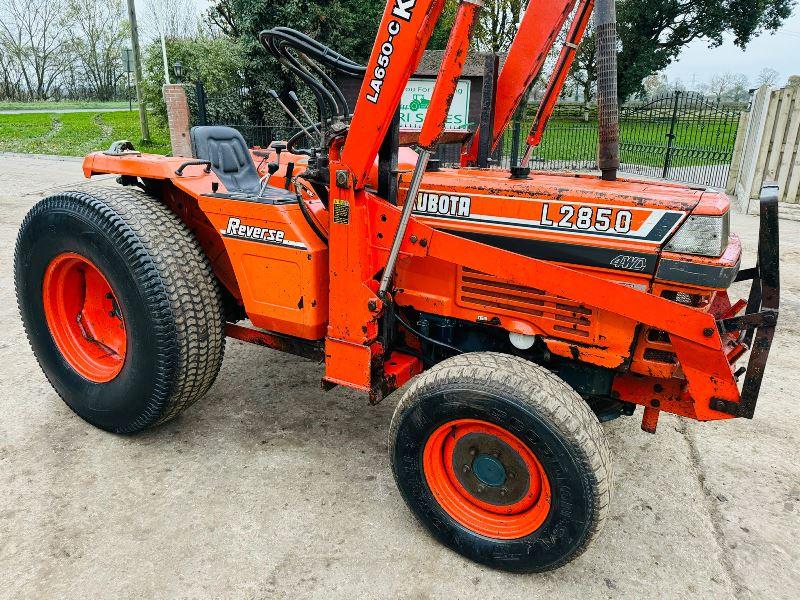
pixel 417 98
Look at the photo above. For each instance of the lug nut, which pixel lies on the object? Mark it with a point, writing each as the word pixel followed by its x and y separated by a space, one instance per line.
pixel 466 469
pixel 503 491
pixel 480 489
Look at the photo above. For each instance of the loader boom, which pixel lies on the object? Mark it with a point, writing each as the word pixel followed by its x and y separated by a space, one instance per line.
pixel 403 34
pixel 535 37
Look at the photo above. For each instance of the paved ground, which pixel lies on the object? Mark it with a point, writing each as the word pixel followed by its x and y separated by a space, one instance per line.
pixel 271 488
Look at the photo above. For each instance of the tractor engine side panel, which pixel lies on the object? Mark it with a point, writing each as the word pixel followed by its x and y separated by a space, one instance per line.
pixel 568 329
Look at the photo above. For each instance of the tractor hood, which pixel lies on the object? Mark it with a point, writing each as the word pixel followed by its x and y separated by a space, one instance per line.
pixel 576 219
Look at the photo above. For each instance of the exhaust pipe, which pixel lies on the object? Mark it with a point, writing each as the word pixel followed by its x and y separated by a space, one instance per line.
pixel 605 27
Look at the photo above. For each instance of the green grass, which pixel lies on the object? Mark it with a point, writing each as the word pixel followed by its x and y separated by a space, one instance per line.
pixel 76 134
pixel 641 142
pixel 50 105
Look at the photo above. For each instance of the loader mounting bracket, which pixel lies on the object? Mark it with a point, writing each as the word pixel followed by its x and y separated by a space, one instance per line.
pixel 757 325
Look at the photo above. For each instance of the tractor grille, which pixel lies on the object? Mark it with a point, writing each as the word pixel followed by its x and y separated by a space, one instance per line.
pixel 662 356
pixel 481 291
pixel 695 300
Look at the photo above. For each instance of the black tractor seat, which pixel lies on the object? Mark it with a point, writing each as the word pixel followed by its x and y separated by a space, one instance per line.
pixel 230 159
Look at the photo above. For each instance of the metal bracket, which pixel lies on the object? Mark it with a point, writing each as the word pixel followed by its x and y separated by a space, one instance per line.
pixel 726 406
pixel 765 318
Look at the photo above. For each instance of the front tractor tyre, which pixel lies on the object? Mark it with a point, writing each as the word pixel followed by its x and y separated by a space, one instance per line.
pixel 502 461
pixel 120 306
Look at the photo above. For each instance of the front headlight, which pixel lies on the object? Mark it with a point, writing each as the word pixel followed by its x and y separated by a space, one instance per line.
pixel 702 235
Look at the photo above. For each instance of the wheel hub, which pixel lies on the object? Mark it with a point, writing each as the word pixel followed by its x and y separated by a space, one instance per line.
pixel 486 478
pixel 84 317
pixel 490 469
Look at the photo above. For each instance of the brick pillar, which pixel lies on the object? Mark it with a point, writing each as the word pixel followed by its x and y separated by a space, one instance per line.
pixel 178 119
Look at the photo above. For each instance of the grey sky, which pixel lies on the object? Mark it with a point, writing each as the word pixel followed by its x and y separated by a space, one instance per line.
pixel 781 51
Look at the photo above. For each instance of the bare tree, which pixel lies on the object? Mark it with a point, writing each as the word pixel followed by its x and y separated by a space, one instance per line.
pixel 221 16
pixel 99 42
pixel 720 85
pixel 739 87
pixel 10 77
pixel 34 36
pixel 172 18
pixel 727 86
pixel 498 24
pixel 767 76
pixel 656 85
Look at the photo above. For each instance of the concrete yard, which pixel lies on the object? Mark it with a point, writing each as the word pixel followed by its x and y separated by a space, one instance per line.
pixel 271 488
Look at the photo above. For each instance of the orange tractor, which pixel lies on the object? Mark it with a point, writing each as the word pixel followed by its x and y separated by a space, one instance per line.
pixel 516 310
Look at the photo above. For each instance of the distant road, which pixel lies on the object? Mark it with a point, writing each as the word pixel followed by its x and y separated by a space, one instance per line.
pixel 21 111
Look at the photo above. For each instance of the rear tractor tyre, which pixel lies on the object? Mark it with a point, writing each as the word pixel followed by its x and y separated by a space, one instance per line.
pixel 120 306
pixel 502 461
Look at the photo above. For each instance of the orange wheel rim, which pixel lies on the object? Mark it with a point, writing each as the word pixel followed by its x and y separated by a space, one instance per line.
pixel 84 317
pixel 486 479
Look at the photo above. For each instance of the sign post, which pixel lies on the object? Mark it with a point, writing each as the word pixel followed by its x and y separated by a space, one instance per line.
pixel 127 64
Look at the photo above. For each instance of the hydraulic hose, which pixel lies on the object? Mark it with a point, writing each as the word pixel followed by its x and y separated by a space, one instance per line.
pixel 281 41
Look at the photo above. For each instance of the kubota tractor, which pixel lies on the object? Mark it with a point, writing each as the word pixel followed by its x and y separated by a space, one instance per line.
pixel 516 310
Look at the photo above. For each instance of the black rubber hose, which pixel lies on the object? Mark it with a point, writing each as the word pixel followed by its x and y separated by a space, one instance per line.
pixel 408 326
pixel 281 50
pixel 281 40
pixel 310 219
pixel 324 54
pixel 295 138
pixel 324 98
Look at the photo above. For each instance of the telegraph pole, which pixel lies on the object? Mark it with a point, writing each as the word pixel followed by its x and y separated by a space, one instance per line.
pixel 137 70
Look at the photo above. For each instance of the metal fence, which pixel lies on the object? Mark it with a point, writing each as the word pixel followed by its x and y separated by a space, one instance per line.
pixel 233 109
pixel 679 137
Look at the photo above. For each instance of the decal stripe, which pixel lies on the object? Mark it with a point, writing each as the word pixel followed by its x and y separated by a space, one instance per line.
pixel 559 252
pixel 657 234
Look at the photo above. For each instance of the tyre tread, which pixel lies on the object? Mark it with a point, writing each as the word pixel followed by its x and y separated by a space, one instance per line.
pixel 176 280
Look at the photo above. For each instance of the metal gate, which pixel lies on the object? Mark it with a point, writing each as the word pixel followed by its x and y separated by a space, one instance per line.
pixel 233 109
pixel 682 137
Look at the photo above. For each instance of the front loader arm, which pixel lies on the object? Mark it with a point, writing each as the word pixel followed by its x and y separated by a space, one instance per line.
pixel 693 332
pixel 403 34
pixel 559 75
pixel 541 23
